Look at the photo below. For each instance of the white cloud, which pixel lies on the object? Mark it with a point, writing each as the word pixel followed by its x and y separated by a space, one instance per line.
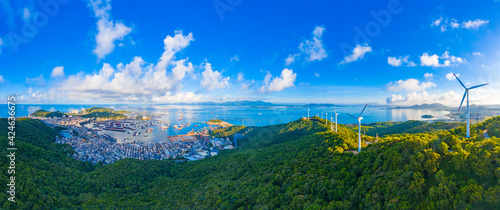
pixel 26 13
pixel 428 76
pixel 1 43
pixel 450 76
pixel 135 81
pixel 240 77
pixel 429 60
pixel 313 48
pixel 172 45
pixel 316 74
pixel 291 58
pixel 213 80
pixel 453 23
pixel 36 81
pixel 57 72
pixel 449 98
pixel 246 85
pixel 474 24
pixel 437 22
pixel 286 80
pixel 234 58
pixel 186 97
pixel 409 85
pixel 434 60
pixel 108 30
pixel 1 79
pixel 393 61
pixel 443 28
pixel 477 54
pixel 358 53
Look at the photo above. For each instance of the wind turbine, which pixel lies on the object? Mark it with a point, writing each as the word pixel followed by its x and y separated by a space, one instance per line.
pixel 359 118
pixel 331 125
pixel 307 113
pixel 336 120
pixel 467 94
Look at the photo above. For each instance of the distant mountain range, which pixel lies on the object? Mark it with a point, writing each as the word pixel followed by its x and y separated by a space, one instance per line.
pixel 321 105
pixel 233 103
pixel 423 106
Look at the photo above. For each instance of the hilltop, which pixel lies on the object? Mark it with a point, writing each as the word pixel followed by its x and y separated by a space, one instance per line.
pixel 296 165
pixel 219 123
pixel 101 112
pixel 43 113
pixel 99 109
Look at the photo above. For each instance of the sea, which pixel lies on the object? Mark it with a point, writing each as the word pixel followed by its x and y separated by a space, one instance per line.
pixel 196 115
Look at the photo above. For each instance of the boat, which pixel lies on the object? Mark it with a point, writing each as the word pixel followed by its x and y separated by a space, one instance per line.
pixel 146 135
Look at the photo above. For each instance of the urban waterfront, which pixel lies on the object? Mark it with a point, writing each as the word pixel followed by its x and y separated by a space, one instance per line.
pixel 175 131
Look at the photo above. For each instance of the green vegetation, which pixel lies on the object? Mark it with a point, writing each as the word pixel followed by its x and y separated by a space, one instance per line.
pixel 43 113
pixel 427 116
pixel 100 112
pixel 411 126
pixel 227 131
pixel 104 115
pixel 295 165
pixel 99 109
pixel 122 112
pixel 215 121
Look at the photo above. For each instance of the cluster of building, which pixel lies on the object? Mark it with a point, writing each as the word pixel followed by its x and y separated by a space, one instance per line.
pixel 89 145
pixel 69 120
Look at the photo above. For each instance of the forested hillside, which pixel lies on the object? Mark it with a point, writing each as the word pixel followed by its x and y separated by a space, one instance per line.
pixel 296 165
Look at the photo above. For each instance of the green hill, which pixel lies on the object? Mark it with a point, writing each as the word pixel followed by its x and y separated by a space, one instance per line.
pixel 411 126
pixel 43 113
pixel 99 109
pixel 100 112
pixel 292 166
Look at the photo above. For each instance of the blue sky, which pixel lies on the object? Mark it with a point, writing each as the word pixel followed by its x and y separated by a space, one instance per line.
pixel 386 52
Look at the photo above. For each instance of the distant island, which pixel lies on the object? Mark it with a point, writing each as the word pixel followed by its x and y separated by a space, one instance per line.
pixel 93 112
pixel 219 123
pixel 232 103
pixel 426 116
pixel 44 113
pixel 326 105
pixel 423 106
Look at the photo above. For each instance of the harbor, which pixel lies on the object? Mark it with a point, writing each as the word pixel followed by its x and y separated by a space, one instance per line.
pixel 106 141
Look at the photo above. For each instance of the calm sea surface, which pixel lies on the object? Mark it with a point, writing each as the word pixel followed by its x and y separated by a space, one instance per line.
pixel 237 115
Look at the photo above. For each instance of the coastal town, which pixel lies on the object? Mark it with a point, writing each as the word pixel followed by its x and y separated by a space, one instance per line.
pixel 90 143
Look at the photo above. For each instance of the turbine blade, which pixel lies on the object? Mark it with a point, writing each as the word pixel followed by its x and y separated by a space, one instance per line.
pixel 352 116
pixel 362 111
pixel 460 81
pixel 462 100
pixel 478 86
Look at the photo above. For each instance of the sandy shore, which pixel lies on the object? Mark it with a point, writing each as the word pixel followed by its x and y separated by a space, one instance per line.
pixel 223 124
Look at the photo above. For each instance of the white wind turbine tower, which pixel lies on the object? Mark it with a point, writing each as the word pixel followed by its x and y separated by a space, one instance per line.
pixel 359 118
pixel 331 125
pixel 307 113
pixel 467 94
pixel 336 120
